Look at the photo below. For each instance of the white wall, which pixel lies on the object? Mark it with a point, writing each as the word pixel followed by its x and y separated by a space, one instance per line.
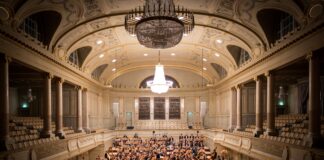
pixel 218 114
pixel 126 99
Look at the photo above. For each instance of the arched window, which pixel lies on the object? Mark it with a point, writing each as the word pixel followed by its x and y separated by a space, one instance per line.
pixel 78 56
pixel 98 71
pixel 168 78
pixel 239 54
pixel 220 70
pixel 42 25
pixel 276 23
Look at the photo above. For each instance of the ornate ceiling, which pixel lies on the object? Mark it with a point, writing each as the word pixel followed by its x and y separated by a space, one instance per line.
pixel 85 22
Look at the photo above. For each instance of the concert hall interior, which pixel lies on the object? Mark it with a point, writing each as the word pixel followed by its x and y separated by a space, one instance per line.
pixel 162 79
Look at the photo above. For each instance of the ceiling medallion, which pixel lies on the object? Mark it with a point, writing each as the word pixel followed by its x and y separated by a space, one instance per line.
pixel 159 24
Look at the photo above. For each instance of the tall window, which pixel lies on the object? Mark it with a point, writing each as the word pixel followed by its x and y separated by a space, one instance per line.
pixel 42 25
pixel 159 108
pixel 30 27
pixel 220 70
pixel 239 54
pixel 287 24
pixel 74 57
pixel 276 23
pixel 244 56
pixel 174 108
pixel 144 108
pixel 98 71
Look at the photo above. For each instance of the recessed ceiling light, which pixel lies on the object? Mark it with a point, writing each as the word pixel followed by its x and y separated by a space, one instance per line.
pixel 219 41
pixel 185 34
pixel 114 60
pixel 138 18
pixel 217 55
pixel 204 68
pixel 145 54
pixel 181 17
pixel 114 69
pixel 99 41
pixel 133 35
pixel 101 55
pixel 173 54
pixel 204 59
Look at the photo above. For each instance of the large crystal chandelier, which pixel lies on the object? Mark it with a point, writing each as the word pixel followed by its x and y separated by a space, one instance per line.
pixel 159 84
pixel 159 24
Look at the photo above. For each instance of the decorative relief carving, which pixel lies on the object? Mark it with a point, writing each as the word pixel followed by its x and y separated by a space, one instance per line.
pixel 86 141
pixel 98 138
pixel 233 140
pixel 98 24
pixel 206 38
pixel 111 36
pixel 246 143
pixel 43 151
pixel 92 8
pixel 244 10
pixel 220 23
pixel 272 148
pixel 219 137
pixel 226 7
pixel 112 3
pixel 73 145
pixel 73 8
pixel 4 13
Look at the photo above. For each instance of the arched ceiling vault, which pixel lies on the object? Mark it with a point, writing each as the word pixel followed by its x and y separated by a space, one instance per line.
pixel 233 22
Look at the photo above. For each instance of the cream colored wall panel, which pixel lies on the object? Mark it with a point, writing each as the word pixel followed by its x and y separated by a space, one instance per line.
pixel 13 101
pixel 293 99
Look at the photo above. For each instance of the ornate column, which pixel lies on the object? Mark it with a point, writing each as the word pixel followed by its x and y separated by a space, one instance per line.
pixel 233 109
pixel 59 107
pixel 197 122
pixel 79 110
pixel 167 106
pixel 258 107
pixel 270 105
pixel 183 117
pixel 136 105
pixel 238 108
pixel 314 111
pixel 122 120
pixel 151 108
pixel 47 111
pixel 85 110
pixel 4 100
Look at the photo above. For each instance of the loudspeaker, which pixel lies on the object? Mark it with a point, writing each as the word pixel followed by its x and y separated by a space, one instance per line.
pixel 130 127
pixel 190 127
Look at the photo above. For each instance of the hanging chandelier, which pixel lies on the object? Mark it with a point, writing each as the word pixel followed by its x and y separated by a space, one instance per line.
pixel 159 84
pixel 159 24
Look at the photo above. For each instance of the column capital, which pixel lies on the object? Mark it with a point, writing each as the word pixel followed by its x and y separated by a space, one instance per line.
pixel 268 73
pixel 238 86
pixel 48 75
pixel 60 80
pixel 78 87
pixel 256 78
pixel 85 89
pixel 5 59
pixel 309 56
